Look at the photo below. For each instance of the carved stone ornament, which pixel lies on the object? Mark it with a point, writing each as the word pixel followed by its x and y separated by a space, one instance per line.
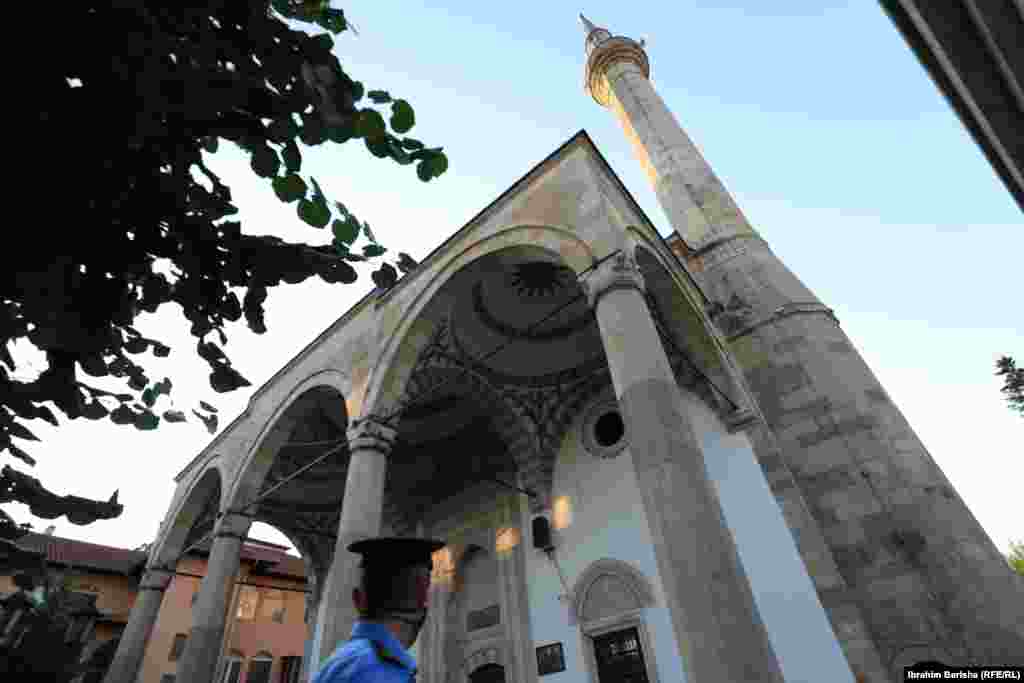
pixel 370 434
pixel 618 272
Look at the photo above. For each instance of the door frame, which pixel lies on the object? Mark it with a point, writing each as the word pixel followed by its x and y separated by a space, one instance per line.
pixel 618 622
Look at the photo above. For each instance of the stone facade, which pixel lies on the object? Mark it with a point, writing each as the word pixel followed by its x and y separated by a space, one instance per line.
pixel 756 509
pixel 900 562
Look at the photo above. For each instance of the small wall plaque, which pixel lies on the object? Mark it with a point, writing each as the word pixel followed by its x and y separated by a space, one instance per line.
pixel 483 618
pixel 550 659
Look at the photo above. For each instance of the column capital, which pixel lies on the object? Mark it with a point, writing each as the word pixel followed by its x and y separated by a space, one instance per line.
pixel 370 433
pixel 742 419
pixel 155 579
pixel 232 524
pixel 618 272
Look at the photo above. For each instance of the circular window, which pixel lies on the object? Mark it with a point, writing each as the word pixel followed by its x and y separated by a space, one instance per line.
pixel 604 431
pixel 608 429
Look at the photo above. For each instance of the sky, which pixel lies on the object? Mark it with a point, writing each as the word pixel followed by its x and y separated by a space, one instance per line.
pixel 817 117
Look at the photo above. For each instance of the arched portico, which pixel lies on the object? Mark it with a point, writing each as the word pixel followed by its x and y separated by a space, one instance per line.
pixel 436 389
pixel 288 479
pixel 200 503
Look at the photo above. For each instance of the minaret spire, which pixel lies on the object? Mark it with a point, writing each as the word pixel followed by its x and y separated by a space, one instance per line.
pixel 697 204
pixel 588 27
pixel 765 312
pixel 594 35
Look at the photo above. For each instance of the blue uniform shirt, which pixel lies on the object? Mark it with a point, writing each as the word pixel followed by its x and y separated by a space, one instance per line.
pixel 373 654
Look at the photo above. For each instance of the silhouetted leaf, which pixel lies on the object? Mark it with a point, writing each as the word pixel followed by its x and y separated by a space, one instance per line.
pixel 378 96
pixel 135 345
pixel 210 352
pixel 346 231
pixel 146 421
pixel 21 432
pixel 265 161
pixel 385 277
pixel 370 124
pixel 122 415
pixel 402 116
pixel 47 414
pixel 289 188
pixel 406 263
pixel 209 420
pixel 174 416
pixel 206 406
pixel 21 455
pixel 225 378
pixel 314 213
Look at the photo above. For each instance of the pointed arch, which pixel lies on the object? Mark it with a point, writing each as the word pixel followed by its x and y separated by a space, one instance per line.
pixel 205 492
pixel 622 573
pixel 275 430
pixel 482 656
pixel 418 321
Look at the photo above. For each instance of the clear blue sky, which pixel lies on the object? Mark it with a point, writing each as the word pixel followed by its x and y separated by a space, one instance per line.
pixel 833 139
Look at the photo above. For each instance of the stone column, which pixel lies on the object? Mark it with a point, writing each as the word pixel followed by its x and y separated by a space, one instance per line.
pixel 199 661
pixel 717 624
pixel 312 610
pixel 132 649
pixel 369 442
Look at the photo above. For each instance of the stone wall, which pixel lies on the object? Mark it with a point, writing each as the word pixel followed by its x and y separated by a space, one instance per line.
pixel 916 572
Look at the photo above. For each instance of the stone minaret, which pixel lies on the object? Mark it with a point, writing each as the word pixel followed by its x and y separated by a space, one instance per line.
pixel 901 565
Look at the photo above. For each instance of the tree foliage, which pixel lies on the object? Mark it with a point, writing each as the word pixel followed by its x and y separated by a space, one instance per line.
pixel 1016 557
pixel 119 184
pixel 1013 385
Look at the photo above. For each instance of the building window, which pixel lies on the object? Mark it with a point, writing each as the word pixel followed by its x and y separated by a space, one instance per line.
pixel 248 602
pixel 232 670
pixel 290 668
pixel 177 647
pixel 604 431
pixel 259 668
pixel 609 428
pixel 506 539
pixel 271 606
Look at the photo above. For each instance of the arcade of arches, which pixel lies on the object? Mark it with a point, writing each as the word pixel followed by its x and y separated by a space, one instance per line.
pixel 521 372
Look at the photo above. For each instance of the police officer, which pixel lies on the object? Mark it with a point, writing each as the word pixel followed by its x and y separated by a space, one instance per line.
pixel 392 604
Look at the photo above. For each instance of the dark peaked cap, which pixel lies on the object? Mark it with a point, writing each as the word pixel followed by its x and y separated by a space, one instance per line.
pixel 396 553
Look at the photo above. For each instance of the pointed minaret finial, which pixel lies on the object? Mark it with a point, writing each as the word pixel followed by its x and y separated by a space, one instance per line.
pixel 593 34
pixel 587 26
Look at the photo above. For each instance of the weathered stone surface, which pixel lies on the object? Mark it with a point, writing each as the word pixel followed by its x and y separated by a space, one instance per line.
pixel 789 344
pixel 846 427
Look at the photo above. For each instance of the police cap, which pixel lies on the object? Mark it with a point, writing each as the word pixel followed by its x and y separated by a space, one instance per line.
pixel 396 553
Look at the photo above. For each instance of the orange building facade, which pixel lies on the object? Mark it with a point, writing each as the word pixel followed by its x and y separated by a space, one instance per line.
pixel 264 642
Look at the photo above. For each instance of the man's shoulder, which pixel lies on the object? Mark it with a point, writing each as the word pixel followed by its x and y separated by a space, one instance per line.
pixel 357 661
